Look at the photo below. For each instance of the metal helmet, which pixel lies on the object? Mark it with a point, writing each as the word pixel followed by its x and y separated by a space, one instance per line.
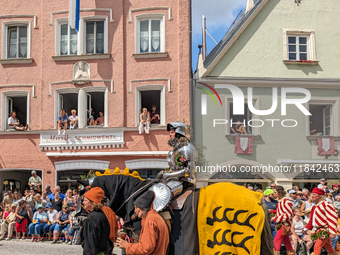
pixel 179 127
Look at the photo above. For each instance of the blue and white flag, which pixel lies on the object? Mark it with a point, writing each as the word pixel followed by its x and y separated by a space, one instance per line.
pixel 73 14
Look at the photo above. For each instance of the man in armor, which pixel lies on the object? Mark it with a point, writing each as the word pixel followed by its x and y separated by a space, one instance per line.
pixel 182 158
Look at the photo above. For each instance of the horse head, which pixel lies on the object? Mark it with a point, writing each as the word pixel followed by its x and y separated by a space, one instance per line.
pixel 121 189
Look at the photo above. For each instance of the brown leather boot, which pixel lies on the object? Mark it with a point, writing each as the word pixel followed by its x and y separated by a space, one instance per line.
pixel 333 253
pixel 291 252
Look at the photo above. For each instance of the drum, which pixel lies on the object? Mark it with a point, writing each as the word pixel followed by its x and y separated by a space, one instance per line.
pixel 162 196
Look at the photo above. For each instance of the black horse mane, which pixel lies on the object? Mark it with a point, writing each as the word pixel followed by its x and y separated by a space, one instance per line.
pixel 118 188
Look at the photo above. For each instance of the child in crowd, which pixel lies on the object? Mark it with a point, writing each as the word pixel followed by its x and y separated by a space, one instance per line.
pixel 297 230
pixel 337 202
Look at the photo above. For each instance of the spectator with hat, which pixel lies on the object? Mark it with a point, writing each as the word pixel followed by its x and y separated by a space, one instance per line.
pixel 62 224
pixel 269 198
pixel 38 222
pixel 154 236
pixel 100 228
pixel 323 182
pixel 52 217
pixel 297 203
pixel 322 210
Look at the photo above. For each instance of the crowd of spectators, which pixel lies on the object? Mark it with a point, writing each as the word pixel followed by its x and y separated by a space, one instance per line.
pixel 37 215
pixel 302 204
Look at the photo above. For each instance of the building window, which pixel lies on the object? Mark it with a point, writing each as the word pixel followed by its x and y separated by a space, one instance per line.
pixel 18 102
pixel 150 34
pixel 321 120
pixel 149 96
pixel 299 45
pixel 94 37
pixel 95 109
pixel 16 38
pixel 68 40
pixel 93 113
pixel 148 173
pixel 240 122
pixel 17 42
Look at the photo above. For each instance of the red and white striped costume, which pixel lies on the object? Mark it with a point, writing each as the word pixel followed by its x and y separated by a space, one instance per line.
pixel 324 216
pixel 284 212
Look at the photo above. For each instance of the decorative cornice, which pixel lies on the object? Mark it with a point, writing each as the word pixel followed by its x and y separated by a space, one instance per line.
pixel 148 9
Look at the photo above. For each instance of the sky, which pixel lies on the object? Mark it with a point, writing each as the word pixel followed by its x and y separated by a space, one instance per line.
pixel 219 15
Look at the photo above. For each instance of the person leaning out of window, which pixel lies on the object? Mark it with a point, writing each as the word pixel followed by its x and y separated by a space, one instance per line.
pixel 144 119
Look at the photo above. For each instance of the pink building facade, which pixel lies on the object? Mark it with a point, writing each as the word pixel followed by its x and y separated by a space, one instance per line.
pixel 126 56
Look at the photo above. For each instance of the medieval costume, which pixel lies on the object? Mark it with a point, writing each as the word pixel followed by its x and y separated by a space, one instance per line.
pixel 100 228
pixel 154 237
pixel 284 216
pixel 323 217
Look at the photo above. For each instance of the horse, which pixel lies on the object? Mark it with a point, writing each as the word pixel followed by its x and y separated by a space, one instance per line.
pixel 122 189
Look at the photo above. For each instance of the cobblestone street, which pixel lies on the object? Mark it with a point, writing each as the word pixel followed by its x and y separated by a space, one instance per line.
pixel 26 247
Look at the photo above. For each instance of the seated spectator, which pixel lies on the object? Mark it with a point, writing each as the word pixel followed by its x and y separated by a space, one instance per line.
pixel 73 119
pixel 144 124
pixel 44 199
pixel 238 128
pixel 329 196
pixel 4 192
pixel 307 215
pixel 8 200
pixel 1 211
pixel 63 223
pixel 155 119
pixel 48 190
pixel 307 204
pixel 100 119
pixel 62 121
pixel 22 213
pixel 6 212
pixel 52 217
pixel 69 197
pixel 75 197
pixel 57 202
pixel 34 182
pixel 91 120
pixel 297 203
pixel 8 224
pixel 29 195
pixel 337 202
pixel 14 123
pixel 57 189
pixel 74 224
pixel 39 221
pixel 16 198
pixel 297 231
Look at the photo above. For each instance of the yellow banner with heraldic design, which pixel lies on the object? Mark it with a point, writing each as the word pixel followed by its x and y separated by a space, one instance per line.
pixel 230 220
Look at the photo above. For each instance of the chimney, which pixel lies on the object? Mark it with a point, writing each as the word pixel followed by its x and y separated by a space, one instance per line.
pixel 250 5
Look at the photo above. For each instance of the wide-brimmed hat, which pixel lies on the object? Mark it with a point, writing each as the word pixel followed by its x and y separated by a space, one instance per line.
pixel 40 206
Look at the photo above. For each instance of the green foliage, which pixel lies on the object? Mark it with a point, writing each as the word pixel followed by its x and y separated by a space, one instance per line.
pixel 87 176
pixel 320 234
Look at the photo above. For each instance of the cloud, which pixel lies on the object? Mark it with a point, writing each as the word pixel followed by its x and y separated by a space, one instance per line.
pixel 219 14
